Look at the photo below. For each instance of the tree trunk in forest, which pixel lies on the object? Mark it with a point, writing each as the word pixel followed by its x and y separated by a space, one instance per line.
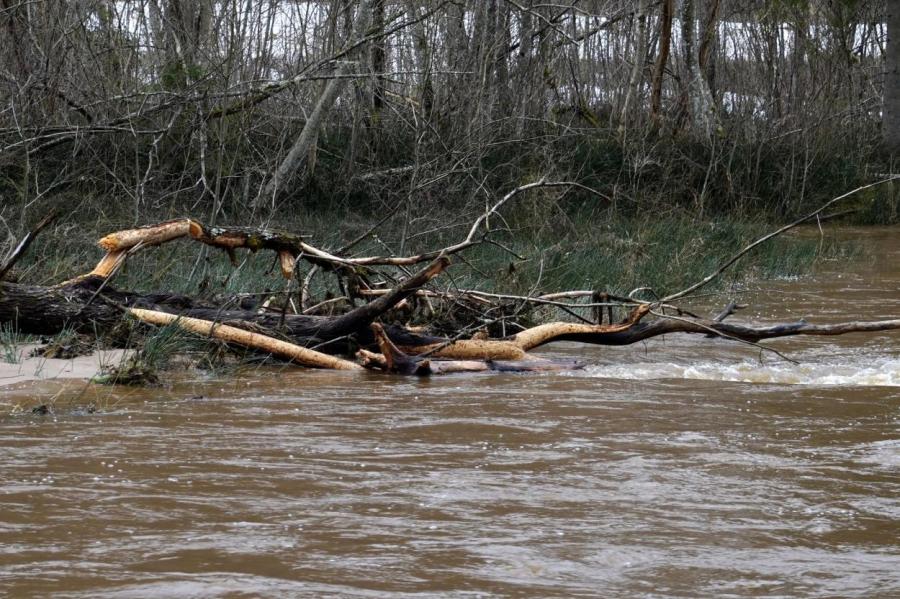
pixel 700 106
pixel 662 58
pixel 298 154
pixel 891 108
pixel 423 58
pixel 378 60
pixel 708 43
pixel 637 66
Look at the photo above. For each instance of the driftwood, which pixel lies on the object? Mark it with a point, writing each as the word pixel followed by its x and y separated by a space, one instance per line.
pixel 230 334
pixel 90 304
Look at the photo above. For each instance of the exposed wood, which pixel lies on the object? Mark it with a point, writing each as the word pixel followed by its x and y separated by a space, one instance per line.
pixel 250 238
pixel 392 359
pixel 469 349
pixel 108 263
pixel 148 236
pixel 230 334
pixel 546 333
pixel 90 304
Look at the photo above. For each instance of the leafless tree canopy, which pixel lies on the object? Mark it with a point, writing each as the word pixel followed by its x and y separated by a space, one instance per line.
pixel 408 105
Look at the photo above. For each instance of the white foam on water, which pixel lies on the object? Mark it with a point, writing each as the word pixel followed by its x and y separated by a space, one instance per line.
pixel 871 372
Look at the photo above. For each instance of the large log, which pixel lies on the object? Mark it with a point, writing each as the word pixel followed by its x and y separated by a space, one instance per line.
pixel 230 334
pixel 50 310
pixel 89 304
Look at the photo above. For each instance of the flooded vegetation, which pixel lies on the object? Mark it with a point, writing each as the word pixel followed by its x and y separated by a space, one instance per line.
pixel 682 467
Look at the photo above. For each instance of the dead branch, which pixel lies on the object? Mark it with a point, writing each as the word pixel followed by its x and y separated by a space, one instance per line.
pixel 20 249
pixel 724 266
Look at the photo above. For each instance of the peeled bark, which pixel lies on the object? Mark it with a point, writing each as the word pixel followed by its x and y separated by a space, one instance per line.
pixel 230 334
pixel 148 236
pixel 88 304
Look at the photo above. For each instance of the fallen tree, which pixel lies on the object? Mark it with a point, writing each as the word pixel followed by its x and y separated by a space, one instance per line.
pixel 91 304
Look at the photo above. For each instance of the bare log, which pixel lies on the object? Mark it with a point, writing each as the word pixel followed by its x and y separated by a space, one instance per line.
pixel 251 238
pixel 667 326
pixel 515 347
pixel 543 334
pixel 392 359
pixel 108 263
pixel 50 310
pixel 230 334
pixel 147 236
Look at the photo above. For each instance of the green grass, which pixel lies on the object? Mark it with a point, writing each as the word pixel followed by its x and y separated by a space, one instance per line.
pixel 620 256
pixel 578 249
pixel 11 343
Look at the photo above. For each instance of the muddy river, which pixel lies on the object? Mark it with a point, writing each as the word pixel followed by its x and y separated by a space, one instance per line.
pixel 683 467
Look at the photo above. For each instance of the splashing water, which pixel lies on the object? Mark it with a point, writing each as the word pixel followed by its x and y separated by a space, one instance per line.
pixel 881 371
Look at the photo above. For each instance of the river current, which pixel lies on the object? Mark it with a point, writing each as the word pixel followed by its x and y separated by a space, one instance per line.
pixel 682 467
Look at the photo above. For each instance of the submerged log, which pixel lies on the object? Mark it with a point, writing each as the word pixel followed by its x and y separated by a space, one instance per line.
pixel 51 310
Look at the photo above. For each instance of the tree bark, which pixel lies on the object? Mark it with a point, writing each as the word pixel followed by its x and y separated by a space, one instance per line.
pixel 637 67
pixel 701 110
pixel 662 58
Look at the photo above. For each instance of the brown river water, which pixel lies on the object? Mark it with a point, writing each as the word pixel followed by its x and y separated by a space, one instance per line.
pixel 683 467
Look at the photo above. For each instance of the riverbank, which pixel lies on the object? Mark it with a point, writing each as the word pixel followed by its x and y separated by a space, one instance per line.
pixel 28 369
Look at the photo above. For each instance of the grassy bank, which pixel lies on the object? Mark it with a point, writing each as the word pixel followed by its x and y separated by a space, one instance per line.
pixel 579 250
pixel 557 250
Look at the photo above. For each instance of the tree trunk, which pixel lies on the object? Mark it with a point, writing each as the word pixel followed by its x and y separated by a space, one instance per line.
pixel 706 57
pixel 701 110
pixel 662 57
pixel 299 153
pixel 378 60
pixel 637 67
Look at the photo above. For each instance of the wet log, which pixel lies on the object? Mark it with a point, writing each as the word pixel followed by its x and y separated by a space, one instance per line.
pixel 50 310
pixel 230 334
pixel 393 360
pixel 753 334
pixel 516 346
pixel 37 310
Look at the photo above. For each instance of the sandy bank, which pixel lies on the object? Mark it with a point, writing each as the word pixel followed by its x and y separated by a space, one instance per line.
pixel 41 369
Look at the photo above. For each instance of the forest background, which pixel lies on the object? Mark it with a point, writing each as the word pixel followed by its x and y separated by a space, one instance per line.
pixel 687 125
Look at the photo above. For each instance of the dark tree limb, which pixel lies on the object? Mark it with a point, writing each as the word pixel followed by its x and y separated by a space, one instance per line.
pixel 20 249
